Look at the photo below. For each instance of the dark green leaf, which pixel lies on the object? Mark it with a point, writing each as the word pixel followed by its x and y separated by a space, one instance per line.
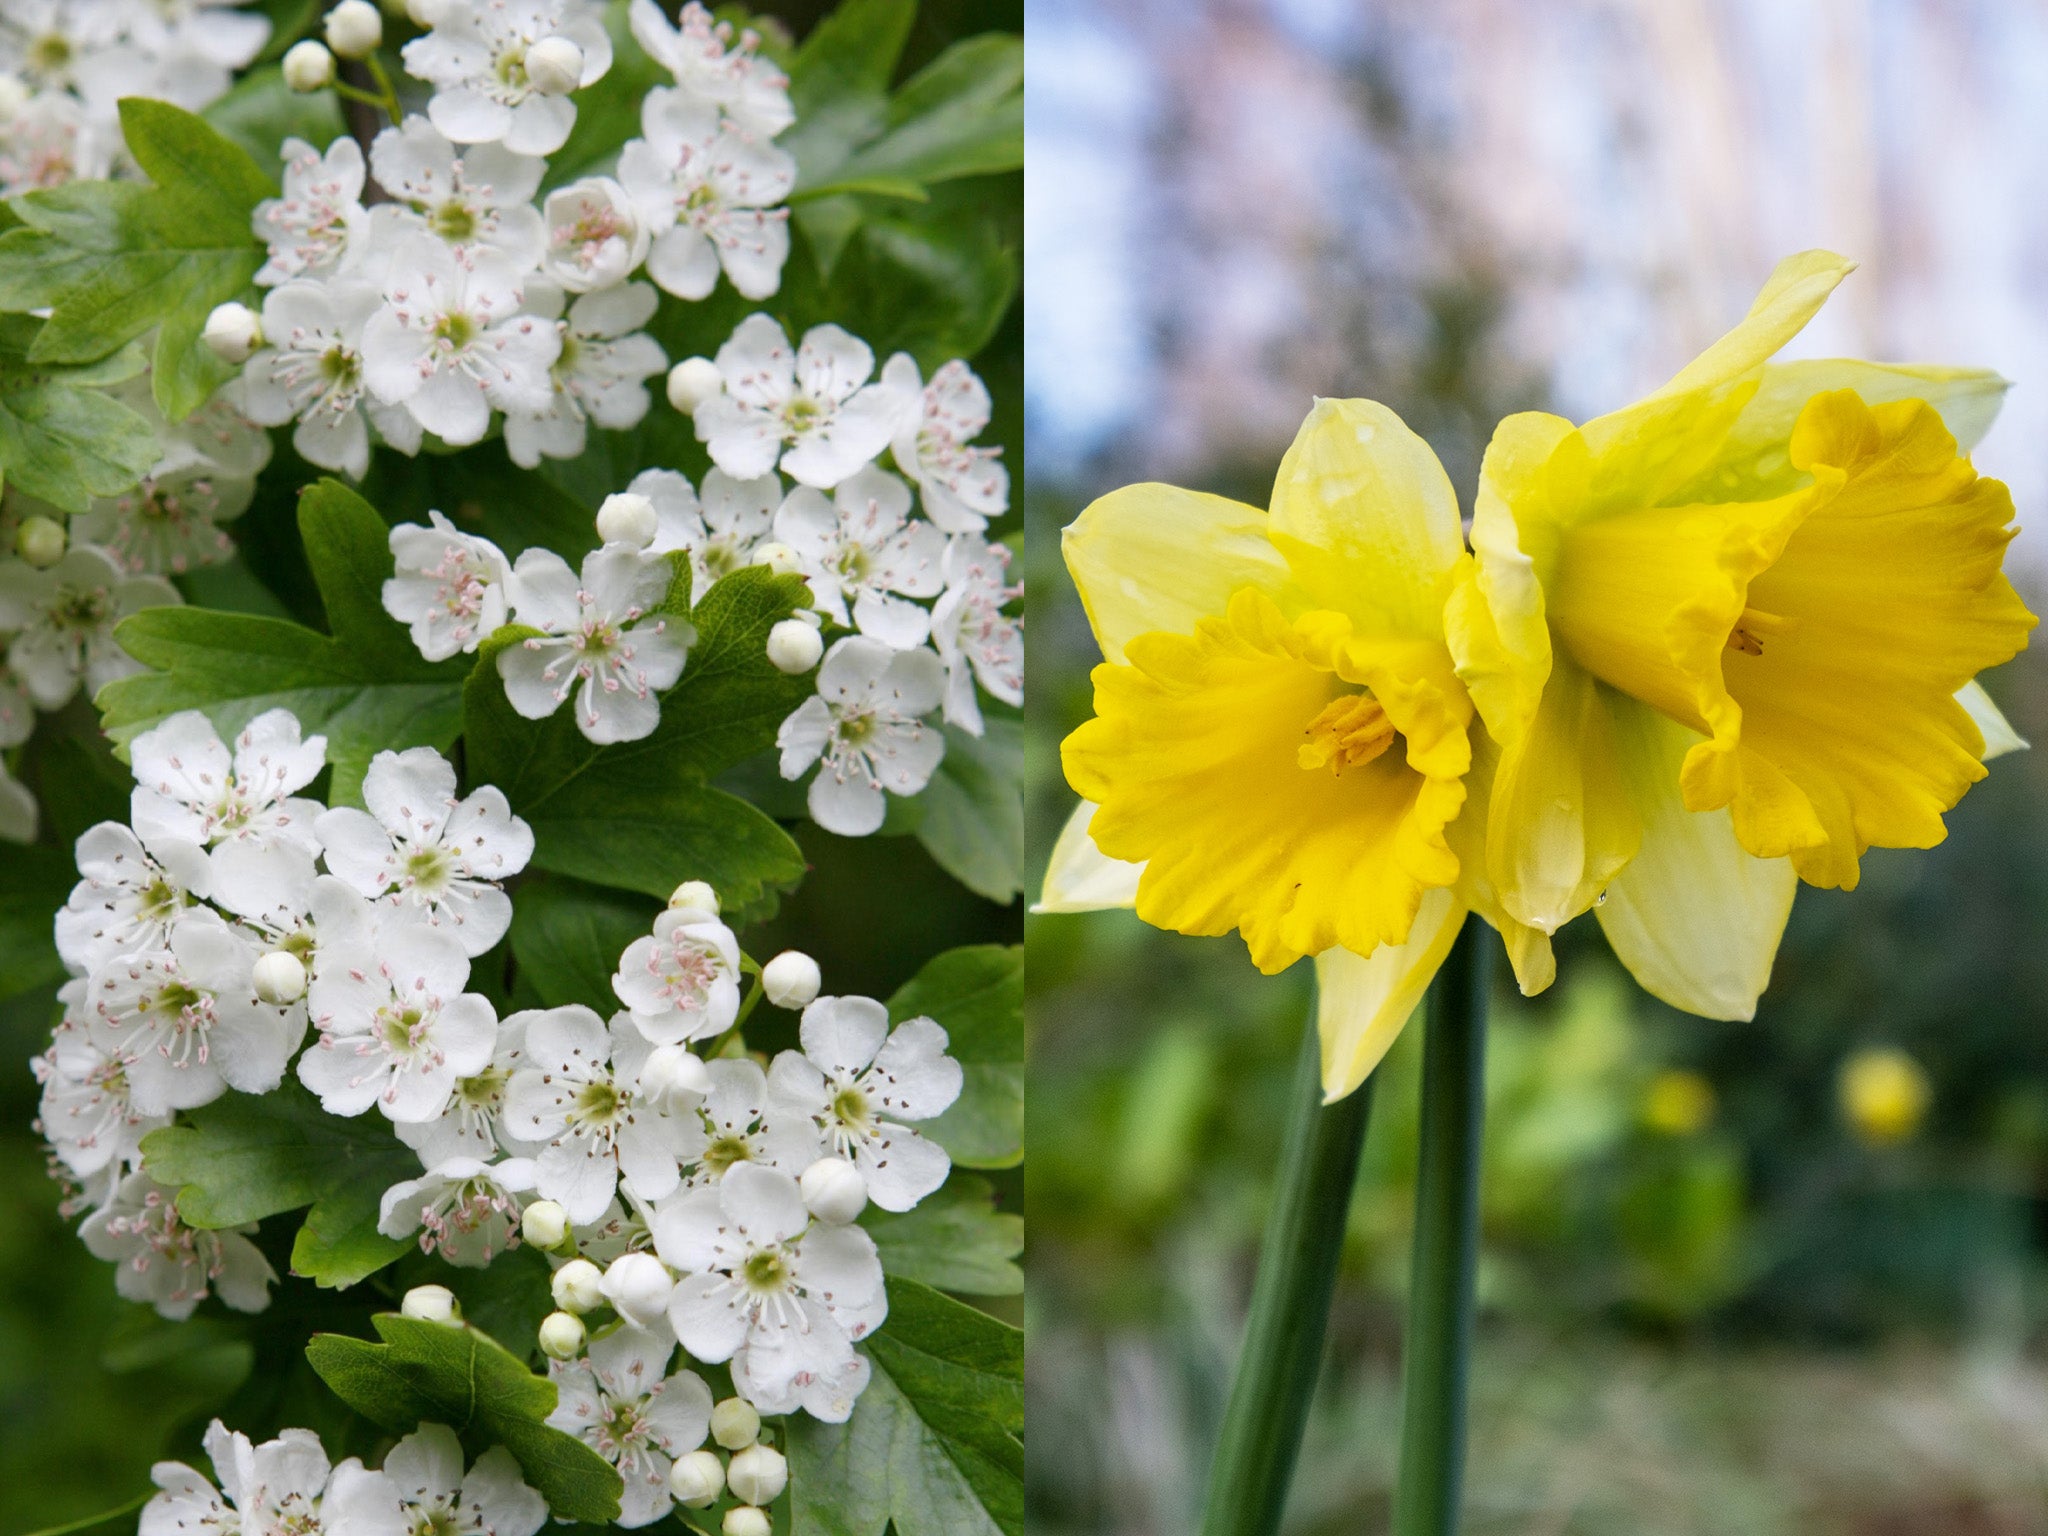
pixel 61 439
pixel 261 112
pixel 977 993
pixel 484 492
pixel 34 882
pixel 567 938
pixel 449 1373
pixel 839 82
pixel 365 686
pixel 973 821
pixel 961 115
pixel 954 1240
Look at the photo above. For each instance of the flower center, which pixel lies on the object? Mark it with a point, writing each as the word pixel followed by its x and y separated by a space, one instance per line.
pixel 1756 626
pixel 596 1104
pixel 457 330
pixel 340 367
pixel 428 868
pixel 402 1027
pixel 765 1271
pixel 453 221
pixel 435 1522
pixel 726 1151
pixel 1349 732
pixel 850 1108
pixel 484 1090
pixel 159 900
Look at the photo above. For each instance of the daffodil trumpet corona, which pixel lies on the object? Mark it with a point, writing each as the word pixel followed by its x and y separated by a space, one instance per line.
pixel 1700 649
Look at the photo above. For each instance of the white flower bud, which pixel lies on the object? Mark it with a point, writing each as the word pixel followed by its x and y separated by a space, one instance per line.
pixel 425 13
pixel 578 1286
pixel 638 1286
pixel 745 1520
pixel 695 894
pixel 779 558
pixel 736 1424
pixel 791 979
pixel 431 1304
pixel 354 29
pixel 627 518
pixel 279 978
pixel 693 381
pixel 554 66
pixel 233 331
pixel 672 1077
pixel 40 541
pixel 793 646
pixel 13 97
pixel 758 1474
pixel 308 66
pixel 544 1224
pixel 561 1335
pixel 833 1190
pixel 697 1479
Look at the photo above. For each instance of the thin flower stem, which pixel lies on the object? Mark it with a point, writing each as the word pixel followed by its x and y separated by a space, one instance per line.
pixel 1283 1342
pixel 388 100
pixel 349 92
pixel 99 1519
pixel 1439 1341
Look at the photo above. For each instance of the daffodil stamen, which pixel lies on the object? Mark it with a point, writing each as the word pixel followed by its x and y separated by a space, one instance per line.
pixel 1350 731
pixel 1756 626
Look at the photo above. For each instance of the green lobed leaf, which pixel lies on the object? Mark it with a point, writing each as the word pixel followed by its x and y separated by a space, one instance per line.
pixel 112 259
pixel 364 685
pixel 953 1240
pixel 567 937
pixel 449 1373
pixel 961 115
pixel 973 809
pixel 247 1156
pixel 260 112
pixel 935 1444
pixel 977 993
pixel 61 438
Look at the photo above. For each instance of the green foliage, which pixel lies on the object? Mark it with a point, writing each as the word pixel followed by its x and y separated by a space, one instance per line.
pixel 112 259
pixel 567 938
pixel 33 885
pixel 971 815
pixel 954 1240
pixel 935 1443
pixel 261 112
pixel 449 1373
pixel 364 684
pixel 61 438
pixel 977 994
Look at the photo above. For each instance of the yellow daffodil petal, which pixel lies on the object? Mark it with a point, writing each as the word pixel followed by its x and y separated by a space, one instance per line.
pixel 1367 518
pixel 1887 599
pixel 1528 948
pixel 1156 557
pixel 1694 916
pixel 1240 765
pixel 1079 877
pixel 1791 296
pixel 1999 736
pixel 1363 1001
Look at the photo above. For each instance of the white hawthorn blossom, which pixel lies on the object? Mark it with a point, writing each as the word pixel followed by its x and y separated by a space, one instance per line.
pixel 169 522
pixel 173 1267
pixel 319 227
pixel 865 726
pixel 472 1125
pixel 595 237
pixel 284 1487
pixel 682 982
pixel 396 1028
pixel 811 410
pixel 863 549
pixel 63 619
pixel 962 486
pixel 858 1080
pixel 476 197
pixel 465 1210
pixel 977 641
pixel 128 896
pixel 620 1401
pixel 604 639
pixel 449 342
pixel 50 141
pixel 490 1499
pixel 419 844
pixel 577 1094
pixel 710 64
pixel 310 370
pixel 475 58
pixel 599 375
pixel 782 1298
pixel 450 586
pixel 88 1111
pixel 721 530
pixel 708 189
pixel 744 1124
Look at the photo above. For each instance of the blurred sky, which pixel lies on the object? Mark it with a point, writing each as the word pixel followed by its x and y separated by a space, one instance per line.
pixel 1228 200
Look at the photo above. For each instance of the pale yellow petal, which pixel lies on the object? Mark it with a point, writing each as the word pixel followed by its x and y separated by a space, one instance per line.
pixel 1528 948
pixel 1362 1001
pixel 1367 518
pixel 1694 917
pixel 1999 736
pixel 1791 296
pixel 1079 877
pixel 1156 557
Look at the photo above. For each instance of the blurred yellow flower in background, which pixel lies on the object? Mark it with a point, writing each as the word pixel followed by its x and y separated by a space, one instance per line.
pixel 1884 1095
pixel 1678 1102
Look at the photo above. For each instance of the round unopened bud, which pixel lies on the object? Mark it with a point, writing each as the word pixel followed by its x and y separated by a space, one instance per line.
pixel 793 646
pixel 672 1077
pixel 425 13
pixel 13 97
pixel 779 558
pixel 745 1520
pixel 233 331
pixel 627 518
pixel 279 978
pixel 561 1335
pixel 431 1304
pixel 544 1224
pixel 554 66
pixel 791 979
pixel 40 540
pixel 354 29
pixel 693 381
pixel 736 1424
pixel 578 1286
pixel 758 1474
pixel 833 1190
pixel 697 1479
pixel 638 1286
pixel 696 895
pixel 308 66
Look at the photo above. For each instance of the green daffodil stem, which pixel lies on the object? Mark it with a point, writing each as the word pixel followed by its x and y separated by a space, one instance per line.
pixel 1283 1342
pixel 1439 1338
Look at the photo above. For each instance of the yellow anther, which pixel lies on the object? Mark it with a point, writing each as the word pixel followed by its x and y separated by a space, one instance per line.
pixel 1756 626
pixel 1349 731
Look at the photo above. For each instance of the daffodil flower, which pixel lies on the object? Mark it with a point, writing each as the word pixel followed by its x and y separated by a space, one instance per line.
pixel 1726 639
pixel 1281 739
